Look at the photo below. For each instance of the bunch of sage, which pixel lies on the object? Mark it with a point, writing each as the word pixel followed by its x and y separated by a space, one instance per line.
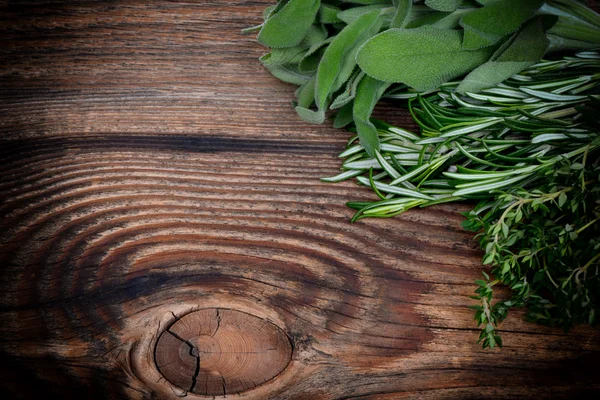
pixel 346 54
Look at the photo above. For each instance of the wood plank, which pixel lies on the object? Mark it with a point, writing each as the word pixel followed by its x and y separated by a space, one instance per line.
pixel 151 168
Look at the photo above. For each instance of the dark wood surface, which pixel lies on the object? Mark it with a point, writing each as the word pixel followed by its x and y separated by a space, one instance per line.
pixel 151 167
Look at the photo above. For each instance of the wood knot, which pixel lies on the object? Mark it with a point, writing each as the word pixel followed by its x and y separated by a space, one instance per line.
pixel 218 351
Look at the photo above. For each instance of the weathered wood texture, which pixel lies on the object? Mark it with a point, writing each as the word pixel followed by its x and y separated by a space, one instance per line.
pixel 215 351
pixel 150 167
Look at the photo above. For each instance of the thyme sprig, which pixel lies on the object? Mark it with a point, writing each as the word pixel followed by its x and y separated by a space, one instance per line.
pixel 545 245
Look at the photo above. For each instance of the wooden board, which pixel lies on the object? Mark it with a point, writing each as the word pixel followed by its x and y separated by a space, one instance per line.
pixel 150 167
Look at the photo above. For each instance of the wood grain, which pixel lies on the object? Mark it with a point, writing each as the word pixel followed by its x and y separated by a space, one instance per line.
pixel 151 168
pixel 216 351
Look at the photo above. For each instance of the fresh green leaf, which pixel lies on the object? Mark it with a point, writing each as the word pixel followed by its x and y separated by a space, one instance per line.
pixel 350 92
pixel 305 94
pixel 338 62
pixel 285 72
pixel 288 26
pixel 368 93
pixel 526 48
pixel 488 25
pixel 343 116
pixel 328 14
pixel 443 5
pixel 422 58
pixel 352 14
pixel 562 199
pixel 402 15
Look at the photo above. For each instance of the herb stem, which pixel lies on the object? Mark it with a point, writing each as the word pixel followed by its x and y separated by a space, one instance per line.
pixel 587 225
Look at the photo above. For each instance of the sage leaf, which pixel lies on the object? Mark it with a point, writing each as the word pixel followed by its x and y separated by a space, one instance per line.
pixel 368 93
pixel 367 1
pixel 352 14
pixel 526 48
pixel 267 11
pixel 285 72
pixel 489 24
pixel 422 58
pixel 305 94
pixel 314 117
pixel 338 61
pixel 316 35
pixel 343 116
pixel 310 62
pixel 452 20
pixel 443 5
pixel 418 20
pixel 288 26
pixel 328 14
pixel 287 55
pixel 402 15
pixel 350 92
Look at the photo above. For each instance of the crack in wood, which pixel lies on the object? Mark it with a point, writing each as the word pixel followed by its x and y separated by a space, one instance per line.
pixel 224 385
pixel 218 323
pixel 193 352
pixel 195 377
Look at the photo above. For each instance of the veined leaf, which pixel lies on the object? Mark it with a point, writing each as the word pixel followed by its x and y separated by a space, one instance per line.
pixel 487 25
pixel 422 58
pixel 443 5
pixel 352 14
pixel 368 93
pixel 305 93
pixel 287 55
pixel 526 48
pixel 367 1
pixel 343 116
pixel 402 14
pixel 288 26
pixel 451 21
pixel 350 92
pixel 310 62
pixel 338 62
pixel 328 14
pixel 286 72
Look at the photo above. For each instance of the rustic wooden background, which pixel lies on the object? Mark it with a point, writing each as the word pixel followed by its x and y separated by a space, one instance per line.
pixel 151 167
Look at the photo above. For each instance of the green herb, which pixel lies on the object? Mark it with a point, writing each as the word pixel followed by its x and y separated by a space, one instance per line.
pixel 422 58
pixel 528 150
pixel 545 245
pixel 328 47
pixel 498 124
